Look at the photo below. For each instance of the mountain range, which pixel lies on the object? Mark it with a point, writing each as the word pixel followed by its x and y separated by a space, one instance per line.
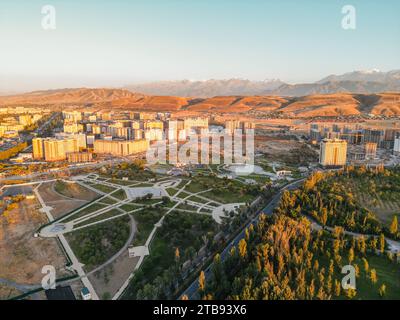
pixel 316 105
pixel 373 81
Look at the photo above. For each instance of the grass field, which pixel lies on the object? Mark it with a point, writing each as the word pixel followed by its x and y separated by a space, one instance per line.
pixel 388 273
pixel 103 188
pixel 145 223
pixel 103 216
pixel 120 194
pixel 375 194
pixel 92 208
pixel 95 244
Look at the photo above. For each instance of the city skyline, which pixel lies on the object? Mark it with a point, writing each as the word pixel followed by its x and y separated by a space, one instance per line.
pixel 123 42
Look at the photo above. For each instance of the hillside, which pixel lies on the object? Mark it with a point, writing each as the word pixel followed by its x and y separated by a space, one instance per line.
pixel 334 87
pixel 368 82
pixel 208 88
pixel 339 104
pixel 70 96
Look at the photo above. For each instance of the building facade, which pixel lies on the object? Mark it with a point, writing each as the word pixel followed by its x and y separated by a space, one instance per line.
pixel 333 152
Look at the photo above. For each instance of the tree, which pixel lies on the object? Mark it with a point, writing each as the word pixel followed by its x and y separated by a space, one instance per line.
pixel 351 255
pixel 202 281
pixel 351 293
pixel 394 226
pixel 177 254
pixel 382 290
pixel 382 243
pixel 366 265
pixel 242 248
pixel 338 288
pixel 372 276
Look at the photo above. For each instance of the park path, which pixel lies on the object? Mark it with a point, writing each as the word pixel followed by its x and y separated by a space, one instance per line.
pixel 76 265
pixel 394 246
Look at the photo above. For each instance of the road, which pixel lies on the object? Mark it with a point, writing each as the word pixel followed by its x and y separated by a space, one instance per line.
pixel 192 290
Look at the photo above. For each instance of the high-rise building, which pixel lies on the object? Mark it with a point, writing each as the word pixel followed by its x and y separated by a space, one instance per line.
pixel 371 135
pixel 370 150
pixel 333 152
pixel 120 147
pixel 79 157
pixel 57 150
pixel 38 148
pixel 72 116
pixel 52 149
pixel 80 137
pixel 396 148
pixel 72 127
pixel 25 119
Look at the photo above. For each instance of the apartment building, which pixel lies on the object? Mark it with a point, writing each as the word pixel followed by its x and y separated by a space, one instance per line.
pixel 333 152
pixel 120 147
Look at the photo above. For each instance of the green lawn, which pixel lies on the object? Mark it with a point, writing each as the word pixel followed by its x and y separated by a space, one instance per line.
pixel 120 194
pixel 103 188
pixel 95 244
pixel 388 274
pixel 145 223
pixel 108 200
pixel 171 191
pixel 92 208
pixel 129 207
pixel 105 215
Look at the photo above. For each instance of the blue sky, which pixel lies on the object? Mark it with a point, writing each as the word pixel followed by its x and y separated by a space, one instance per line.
pixel 116 42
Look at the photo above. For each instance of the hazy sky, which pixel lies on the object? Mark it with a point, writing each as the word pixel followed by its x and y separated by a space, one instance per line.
pixel 115 42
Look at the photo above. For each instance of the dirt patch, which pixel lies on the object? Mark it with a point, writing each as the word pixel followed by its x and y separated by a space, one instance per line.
pixel 60 203
pixel 74 191
pixel 108 280
pixel 23 256
pixel 7 292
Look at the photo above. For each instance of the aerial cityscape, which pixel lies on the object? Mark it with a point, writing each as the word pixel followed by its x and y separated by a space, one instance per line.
pixel 121 183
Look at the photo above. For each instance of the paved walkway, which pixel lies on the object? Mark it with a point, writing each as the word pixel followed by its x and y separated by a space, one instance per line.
pixel 76 265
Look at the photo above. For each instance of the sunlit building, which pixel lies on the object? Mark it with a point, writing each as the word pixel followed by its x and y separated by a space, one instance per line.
pixel 52 149
pixel 120 147
pixel 370 150
pixel 333 152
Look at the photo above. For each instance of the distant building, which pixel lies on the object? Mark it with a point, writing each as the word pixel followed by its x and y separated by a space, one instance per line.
pixel 80 137
pixel 72 127
pixel 370 150
pixel 52 149
pixel 38 148
pixel 25 119
pixel 232 125
pixel 120 147
pixel 76 157
pixel 333 152
pixel 396 148
pixel 375 136
pixel 72 116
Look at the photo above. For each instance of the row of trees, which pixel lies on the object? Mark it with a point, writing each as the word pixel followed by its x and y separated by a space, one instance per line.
pixel 328 200
pixel 283 259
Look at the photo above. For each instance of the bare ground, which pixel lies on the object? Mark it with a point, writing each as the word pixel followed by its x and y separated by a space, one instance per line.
pixel 23 256
pixel 111 278
pixel 62 204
